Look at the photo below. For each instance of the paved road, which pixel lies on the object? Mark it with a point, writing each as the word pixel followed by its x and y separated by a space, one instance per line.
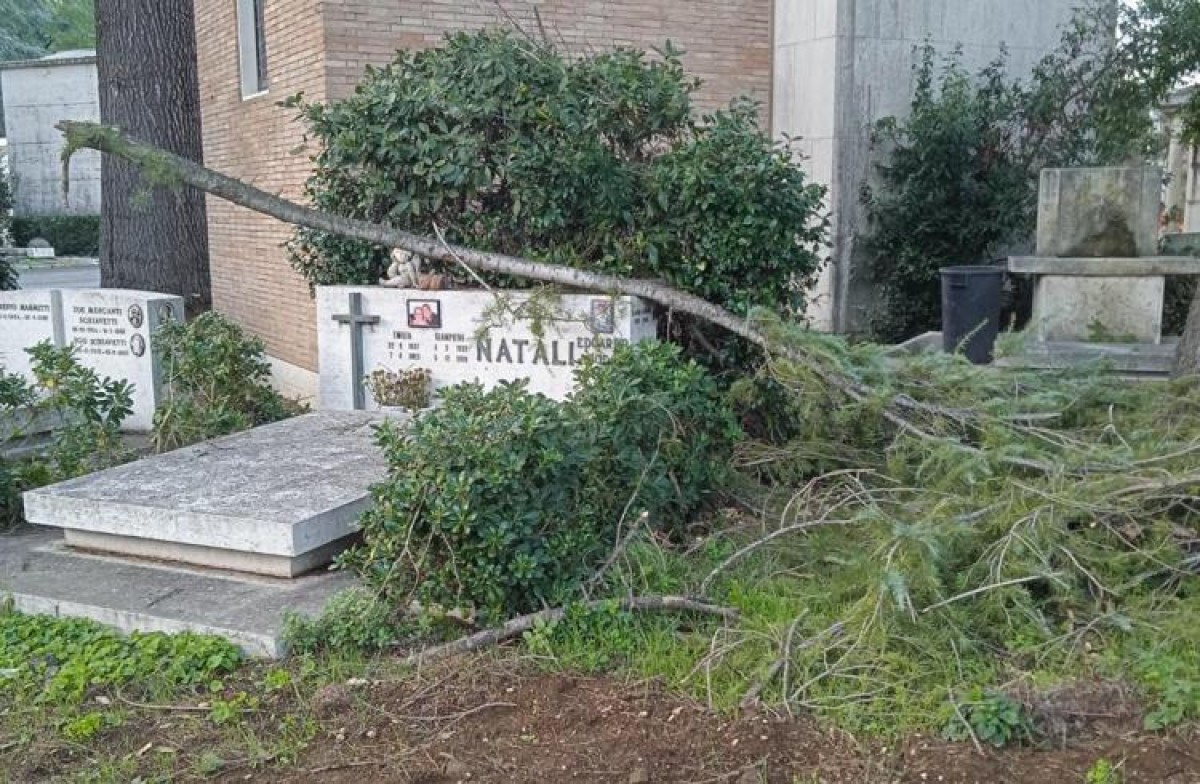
pixel 77 277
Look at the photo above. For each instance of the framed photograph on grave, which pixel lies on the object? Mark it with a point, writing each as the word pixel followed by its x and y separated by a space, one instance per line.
pixel 424 314
pixel 603 319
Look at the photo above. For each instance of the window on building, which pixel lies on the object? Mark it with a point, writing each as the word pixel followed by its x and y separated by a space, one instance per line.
pixel 252 46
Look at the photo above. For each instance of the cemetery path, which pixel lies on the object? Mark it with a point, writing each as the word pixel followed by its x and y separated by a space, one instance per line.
pixel 496 720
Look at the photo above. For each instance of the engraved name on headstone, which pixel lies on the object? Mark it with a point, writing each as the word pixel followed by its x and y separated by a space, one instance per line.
pixel 113 333
pixel 27 318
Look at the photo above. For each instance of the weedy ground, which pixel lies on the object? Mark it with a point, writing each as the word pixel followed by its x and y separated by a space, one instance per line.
pixel 992 580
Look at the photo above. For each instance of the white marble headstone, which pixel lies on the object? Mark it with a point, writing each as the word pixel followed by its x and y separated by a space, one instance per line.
pixel 27 318
pixel 451 334
pixel 113 333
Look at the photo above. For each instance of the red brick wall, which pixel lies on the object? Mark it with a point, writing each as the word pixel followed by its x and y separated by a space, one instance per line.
pixel 321 47
pixel 728 42
pixel 253 139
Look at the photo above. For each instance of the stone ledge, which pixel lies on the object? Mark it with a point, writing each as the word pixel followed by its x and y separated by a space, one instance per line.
pixel 1132 358
pixel 1148 266
pixel 44 578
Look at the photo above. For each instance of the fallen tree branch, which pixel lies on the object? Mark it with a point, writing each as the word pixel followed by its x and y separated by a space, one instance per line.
pixel 167 169
pixel 518 626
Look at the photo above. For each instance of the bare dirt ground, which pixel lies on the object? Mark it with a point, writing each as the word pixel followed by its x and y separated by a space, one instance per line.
pixel 497 720
pixel 512 726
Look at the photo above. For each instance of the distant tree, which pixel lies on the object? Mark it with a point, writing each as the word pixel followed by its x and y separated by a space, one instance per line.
pixel 24 29
pixel 33 28
pixel 151 238
pixel 73 25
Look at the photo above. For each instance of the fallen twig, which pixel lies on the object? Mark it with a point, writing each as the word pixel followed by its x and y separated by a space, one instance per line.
pixel 621 547
pixel 458 715
pixel 776 534
pixel 989 587
pixel 178 708
pixel 518 626
pixel 970 730
pixel 346 765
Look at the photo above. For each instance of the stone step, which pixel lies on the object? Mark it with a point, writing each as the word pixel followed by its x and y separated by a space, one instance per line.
pixel 278 500
pixel 1133 359
pixel 42 576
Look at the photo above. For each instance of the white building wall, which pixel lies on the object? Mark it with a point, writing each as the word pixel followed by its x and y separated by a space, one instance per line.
pixel 37 94
pixel 841 65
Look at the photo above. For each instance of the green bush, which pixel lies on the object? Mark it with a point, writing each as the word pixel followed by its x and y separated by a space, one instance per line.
pixel 501 502
pixel 662 429
pixel 88 411
pixel 1180 290
pixel 8 276
pixel 216 381
pixel 354 620
pixel 70 235
pixel 594 162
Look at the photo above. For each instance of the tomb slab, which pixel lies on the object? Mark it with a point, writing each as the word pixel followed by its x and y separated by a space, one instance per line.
pixel 278 500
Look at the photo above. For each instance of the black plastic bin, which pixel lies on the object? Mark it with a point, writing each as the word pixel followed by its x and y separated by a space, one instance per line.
pixel 971 302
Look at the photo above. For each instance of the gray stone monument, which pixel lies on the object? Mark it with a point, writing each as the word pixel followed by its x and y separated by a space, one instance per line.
pixel 26 319
pixel 113 333
pixel 1100 286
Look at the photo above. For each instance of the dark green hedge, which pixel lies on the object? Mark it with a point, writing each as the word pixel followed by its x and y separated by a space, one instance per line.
pixel 1179 289
pixel 71 235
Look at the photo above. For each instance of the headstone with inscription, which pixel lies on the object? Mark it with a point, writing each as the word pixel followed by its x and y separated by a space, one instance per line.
pixel 27 318
pixel 113 333
pixel 466 336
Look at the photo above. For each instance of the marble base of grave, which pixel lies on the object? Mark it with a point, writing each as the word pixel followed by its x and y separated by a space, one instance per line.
pixel 42 576
pixel 278 500
pixel 1098 300
pixel 1074 309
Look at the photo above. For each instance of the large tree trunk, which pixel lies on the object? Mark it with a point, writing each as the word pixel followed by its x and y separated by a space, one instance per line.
pixel 1187 356
pixel 151 238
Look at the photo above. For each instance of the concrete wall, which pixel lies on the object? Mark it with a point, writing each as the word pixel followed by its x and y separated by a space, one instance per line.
pixel 1183 166
pixel 843 64
pixel 37 94
pixel 322 47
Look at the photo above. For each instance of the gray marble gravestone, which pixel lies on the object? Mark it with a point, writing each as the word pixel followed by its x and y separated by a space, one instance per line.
pixel 112 331
pixel 1098 214
pixel 366 328
pixel 1100 288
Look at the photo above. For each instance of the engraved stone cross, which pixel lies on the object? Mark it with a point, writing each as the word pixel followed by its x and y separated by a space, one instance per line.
pixel 357 320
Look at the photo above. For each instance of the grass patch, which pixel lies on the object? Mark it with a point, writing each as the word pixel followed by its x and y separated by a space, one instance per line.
pixel 79 702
